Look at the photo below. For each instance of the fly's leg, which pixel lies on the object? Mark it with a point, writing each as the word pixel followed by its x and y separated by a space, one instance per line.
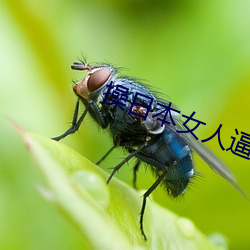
pixel 125 160
pixel 97 114
pixel 136 167
pixel 105 155
pixel 75 124
pixel 91 107
pixel 145 196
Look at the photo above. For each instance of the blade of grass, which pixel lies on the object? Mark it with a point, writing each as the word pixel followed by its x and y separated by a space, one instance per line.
pixel 107 216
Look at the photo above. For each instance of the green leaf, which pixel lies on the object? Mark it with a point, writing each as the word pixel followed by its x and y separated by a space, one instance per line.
pixel 107 215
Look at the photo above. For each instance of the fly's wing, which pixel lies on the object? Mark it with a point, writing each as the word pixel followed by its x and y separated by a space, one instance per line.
pixel 212 160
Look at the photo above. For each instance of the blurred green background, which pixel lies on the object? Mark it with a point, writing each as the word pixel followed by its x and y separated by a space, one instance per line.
pixel 195 52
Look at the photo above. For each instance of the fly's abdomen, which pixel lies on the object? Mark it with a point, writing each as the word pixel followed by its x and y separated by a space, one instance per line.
pixel 180 165
pixel 178 176
pixel 168 154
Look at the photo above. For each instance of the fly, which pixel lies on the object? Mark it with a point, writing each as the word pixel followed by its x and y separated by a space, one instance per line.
pixel 114 103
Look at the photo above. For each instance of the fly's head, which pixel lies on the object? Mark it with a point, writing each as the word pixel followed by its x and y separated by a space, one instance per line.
pixel 94 81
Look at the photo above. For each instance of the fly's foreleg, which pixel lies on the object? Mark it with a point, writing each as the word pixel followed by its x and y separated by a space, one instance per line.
pixel 75 123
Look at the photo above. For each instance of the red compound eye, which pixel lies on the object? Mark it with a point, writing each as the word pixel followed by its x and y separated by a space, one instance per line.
pixel 97 79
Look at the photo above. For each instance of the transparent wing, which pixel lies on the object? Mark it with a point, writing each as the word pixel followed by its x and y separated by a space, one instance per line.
pixel 210 158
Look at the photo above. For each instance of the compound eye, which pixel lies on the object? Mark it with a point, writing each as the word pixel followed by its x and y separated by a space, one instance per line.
pixel 97 79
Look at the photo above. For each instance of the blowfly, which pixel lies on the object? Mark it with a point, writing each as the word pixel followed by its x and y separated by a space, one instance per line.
pixel 135 118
